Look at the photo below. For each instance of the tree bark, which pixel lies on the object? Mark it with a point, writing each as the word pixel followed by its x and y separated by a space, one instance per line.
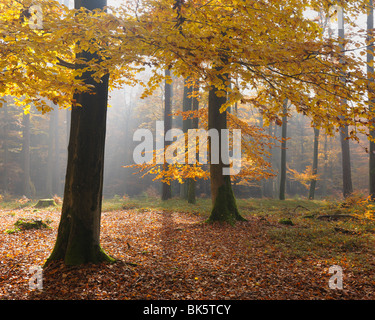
pixel 191 196
pixel 283 152
pixel 315 164
pixel 325 175
pixel 223 200
pixel 346 166
pixel 371 97
pixel 345 147
pixel 26 154
pixel 6 147
pixel 186 125
pixel 79 229
pixel 56 172
pixel 166 188
pixel 50 160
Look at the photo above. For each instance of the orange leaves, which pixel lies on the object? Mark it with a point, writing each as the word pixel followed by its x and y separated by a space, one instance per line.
pixel 172 255
pixel 268 46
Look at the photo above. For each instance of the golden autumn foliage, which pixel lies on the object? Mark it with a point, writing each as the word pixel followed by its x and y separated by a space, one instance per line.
pixel 255 144
pixel 270 49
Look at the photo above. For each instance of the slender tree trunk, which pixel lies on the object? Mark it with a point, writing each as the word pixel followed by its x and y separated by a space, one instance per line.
pixel 26 154
pixel 283 152
pixel 268 183
pixel 50 160
pixel 6 148
pixel 325 176
pixel 68 116
pixel 223 200
pixel 371 96
pixel 194 124
pixel 186 125
pixel 56 172
pixel 166 188
pixel 346 166
pixel 79 229
pixel 315 164
pixel 345 147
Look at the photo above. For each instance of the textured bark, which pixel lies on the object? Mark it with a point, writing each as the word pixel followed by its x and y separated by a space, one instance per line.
pixel 79 229
pixel 346 166
pixel 223 200
pixel 191 197
pixel 50 160
pixel 315 164
pixel 26 155
pixel 345 147
pixel 186 125
pixel 370 76
pixel 6 148
pixel 283 152
pixel 166 188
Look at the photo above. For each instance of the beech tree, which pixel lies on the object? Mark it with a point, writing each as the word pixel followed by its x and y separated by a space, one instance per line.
pixel 166 187
pixel 314 164
pixel 79 229
pixel 284 126
pixel 270 47
pixel 371 98
pixel 344 130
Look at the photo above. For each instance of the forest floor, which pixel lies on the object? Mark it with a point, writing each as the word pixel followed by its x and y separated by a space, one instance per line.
pixel 167 251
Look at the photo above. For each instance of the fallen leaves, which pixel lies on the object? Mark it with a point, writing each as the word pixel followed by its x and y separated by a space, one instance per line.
pixel 170 255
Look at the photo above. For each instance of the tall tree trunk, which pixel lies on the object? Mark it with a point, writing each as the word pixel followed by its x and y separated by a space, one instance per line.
pixel 268 183
pixel 56 171
pixel 166 188
pixel 186 125
pixel 346 166
pixel 223 200
pixel 6 147
pixel 325 175
pixel 79 229
pixel 315 164
pixel 50 160
pixel 371 96
pixel 345 147
pixel 26 154
pixel 283 152
pixel 194 125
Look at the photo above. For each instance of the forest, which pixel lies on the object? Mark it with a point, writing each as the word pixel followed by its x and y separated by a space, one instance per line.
pixel 106 194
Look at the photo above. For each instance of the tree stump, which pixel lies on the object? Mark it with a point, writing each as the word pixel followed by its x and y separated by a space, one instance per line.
pixel 44 203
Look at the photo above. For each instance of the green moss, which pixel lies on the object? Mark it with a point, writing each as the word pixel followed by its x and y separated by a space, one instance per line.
pixel 11 231
pixel 225 207
pixel 25 224
pixel 95 254
pixel 286 221
pixel 76 245
pixel 44 203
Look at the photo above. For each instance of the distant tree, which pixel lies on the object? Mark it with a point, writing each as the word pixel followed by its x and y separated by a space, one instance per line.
pixel 5 147
pixel 186 125
pixel 283 151
pixel 315 163
pixel 26 187
pixel 166 187
pixel 191 196
pixel 344 131
pixel 371 96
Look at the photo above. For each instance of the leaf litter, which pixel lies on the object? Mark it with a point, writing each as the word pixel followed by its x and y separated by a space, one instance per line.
pixel 171 255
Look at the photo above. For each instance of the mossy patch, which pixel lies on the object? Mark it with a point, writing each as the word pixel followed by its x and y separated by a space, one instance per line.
pixel 225 207
pixel 45 203
pixel 286 221
pixel 28 224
